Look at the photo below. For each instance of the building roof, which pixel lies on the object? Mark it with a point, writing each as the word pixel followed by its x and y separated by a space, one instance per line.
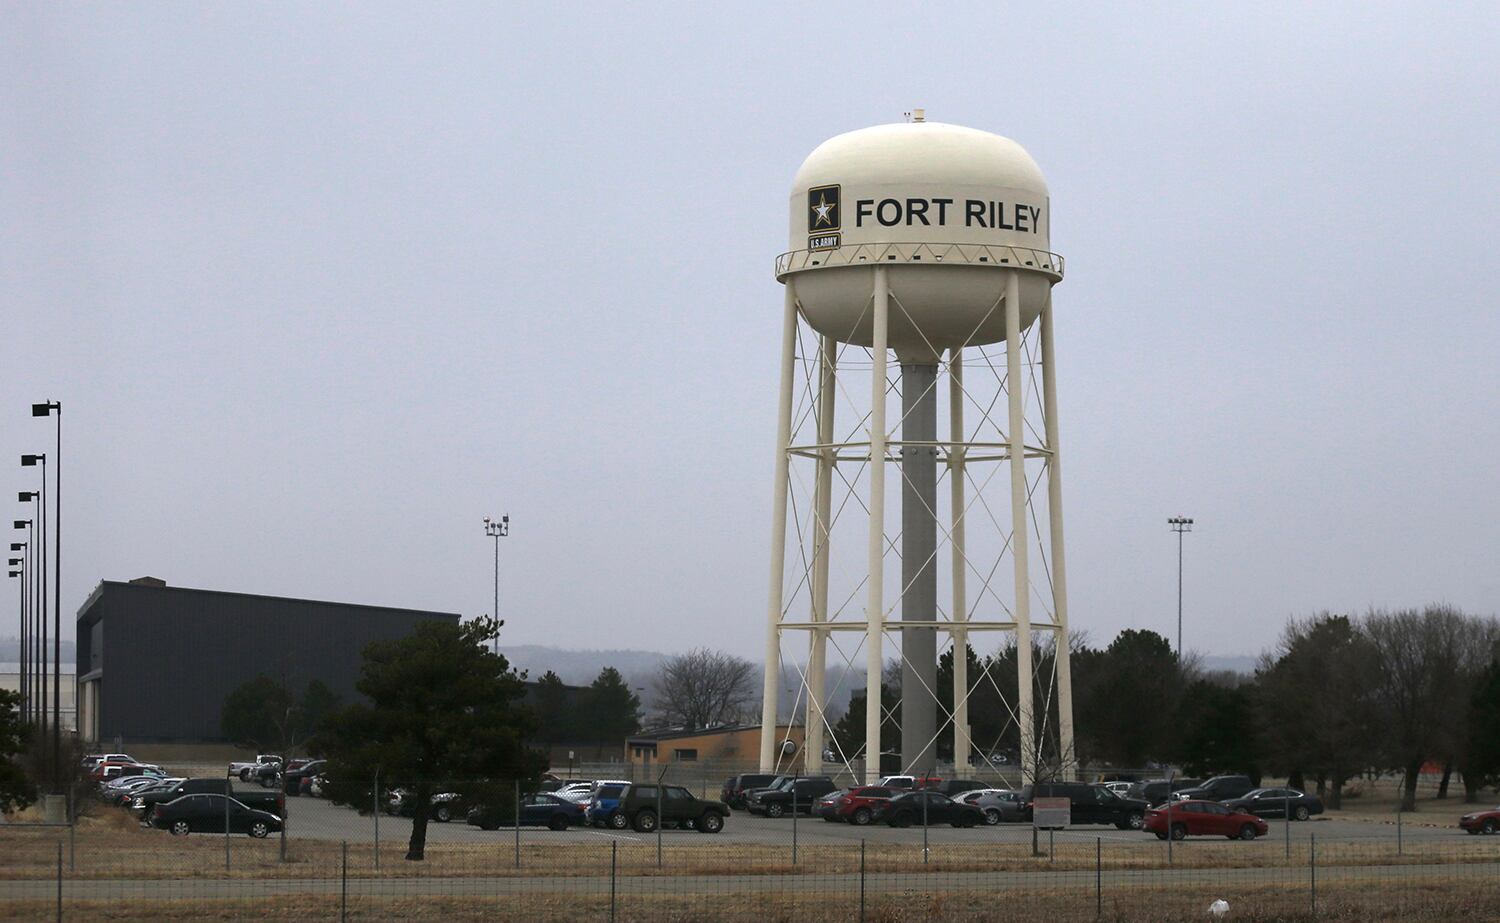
pixel 156 585
pixel 652 736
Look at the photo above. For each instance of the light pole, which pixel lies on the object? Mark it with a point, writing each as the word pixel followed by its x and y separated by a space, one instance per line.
pixel 31 599
pixel 1179 524
pixel 39 571
pixel 21 572
pixel 45 409
pixel 497 530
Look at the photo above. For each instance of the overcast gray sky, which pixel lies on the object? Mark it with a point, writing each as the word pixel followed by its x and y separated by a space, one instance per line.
pixel 320 286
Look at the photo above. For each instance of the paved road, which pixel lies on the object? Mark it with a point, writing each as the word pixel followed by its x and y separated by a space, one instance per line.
pixel 312 818
pixel 744 884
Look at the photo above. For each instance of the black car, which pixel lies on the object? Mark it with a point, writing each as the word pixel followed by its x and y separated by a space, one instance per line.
pixel 1090 804
pixel 647 806
pixel 929 807
pixel 539 810
pixel 145 801
pixel 737 787
pixel 291 780
pixel 207 813
pixel 1278 802
pixel 1219 788
pixel 798 796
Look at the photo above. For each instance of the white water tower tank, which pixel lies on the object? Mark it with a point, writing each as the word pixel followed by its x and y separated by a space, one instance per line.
pixel 942 206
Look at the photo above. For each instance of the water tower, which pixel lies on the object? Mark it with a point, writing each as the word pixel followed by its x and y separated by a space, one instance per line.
pixel 927 243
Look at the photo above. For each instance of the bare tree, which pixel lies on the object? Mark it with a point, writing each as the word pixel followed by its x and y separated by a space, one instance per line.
pixel 704 688
pixel 1426 662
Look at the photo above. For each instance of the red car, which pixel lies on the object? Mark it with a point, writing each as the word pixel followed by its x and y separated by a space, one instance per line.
pixel 1203 818
pixel 858 806
pixel 1481 821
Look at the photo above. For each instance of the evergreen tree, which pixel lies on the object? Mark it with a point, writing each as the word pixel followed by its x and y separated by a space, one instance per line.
pixel 612 710
pixel 16 790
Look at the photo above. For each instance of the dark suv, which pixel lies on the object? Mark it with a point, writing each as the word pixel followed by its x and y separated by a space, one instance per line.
pixel 1155 791
pixel 797 796
pixel 1091 804
pixel 1219 788
pixel 737 787
pixel 645 806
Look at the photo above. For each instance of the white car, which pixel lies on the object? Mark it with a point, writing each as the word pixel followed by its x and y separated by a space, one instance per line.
pixel 1119 788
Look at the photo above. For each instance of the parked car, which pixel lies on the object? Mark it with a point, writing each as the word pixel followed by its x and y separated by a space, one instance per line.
pixel 1203 818
pixel 954 788
pixel 1119 786
pixel 443 807
pixel 603 809
pixel 932 807
pixel 270 802
pixel 206 814
pixel 1091 804
pixel 1219 788
pixel 909 783
pixel 827 807
pixel 797 796
pixel 248 770
pixel 542 809
pixel 1485 822
pixel 645 806
pixel 105 772
pixel 294 778
pixel 1278 802
pixel 1000 805
pixel 737 787
pixel 1155 791
pixel 94 759
pixel 859 805
pixel 121 796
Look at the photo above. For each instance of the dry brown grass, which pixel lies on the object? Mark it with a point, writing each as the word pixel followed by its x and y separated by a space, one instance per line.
pixel 1408 903
pixel 113 846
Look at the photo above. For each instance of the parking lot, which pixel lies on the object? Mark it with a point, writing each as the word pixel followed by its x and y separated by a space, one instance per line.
pixel 313 818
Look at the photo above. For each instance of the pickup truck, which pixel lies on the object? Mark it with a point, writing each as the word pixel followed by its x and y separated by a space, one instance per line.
pixel 271 802
pixel 263 764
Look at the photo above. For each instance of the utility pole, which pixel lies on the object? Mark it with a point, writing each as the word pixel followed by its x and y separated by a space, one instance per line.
pixel 1179 524
pixel 497 530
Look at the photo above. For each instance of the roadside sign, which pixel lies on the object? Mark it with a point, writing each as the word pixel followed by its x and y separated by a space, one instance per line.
pixel 1051 813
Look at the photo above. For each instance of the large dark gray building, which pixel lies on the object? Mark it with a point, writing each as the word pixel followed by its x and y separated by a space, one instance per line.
pixel 155 662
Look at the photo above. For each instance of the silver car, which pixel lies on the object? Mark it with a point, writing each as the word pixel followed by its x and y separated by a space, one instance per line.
pixel 1000 805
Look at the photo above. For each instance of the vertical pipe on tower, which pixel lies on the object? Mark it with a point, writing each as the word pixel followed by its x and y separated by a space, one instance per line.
pixel 875 602
pixel 918 564
pixel 778 534
pixel 823 504
pixel 1019 541
pixel 1066 752
pixel 956 482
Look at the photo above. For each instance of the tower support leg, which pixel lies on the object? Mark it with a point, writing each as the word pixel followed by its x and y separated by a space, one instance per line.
pixel 816 723
pixel 918 564
pixel 1019 540
pixel 957 486
pixel 875 599
pixel 1066 751
pixel 768 703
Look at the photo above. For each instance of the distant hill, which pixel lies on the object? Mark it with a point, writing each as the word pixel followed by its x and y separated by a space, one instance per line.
pixel 1234 663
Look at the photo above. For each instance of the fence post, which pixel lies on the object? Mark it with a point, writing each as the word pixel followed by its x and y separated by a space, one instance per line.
pixel 518 823
pixel 794 823
pixel 861 880
pixel 228 794
pixel 377 818
pixel 1398 829
pixel 59 881
pixel 1312 869
pixel 344 882
pixel 1099 876
pixel 72 843
pixel 614 863
pixel 924 828
pixel 658 819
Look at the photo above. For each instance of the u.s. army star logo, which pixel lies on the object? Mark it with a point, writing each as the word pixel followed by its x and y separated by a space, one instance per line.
pixel 822 209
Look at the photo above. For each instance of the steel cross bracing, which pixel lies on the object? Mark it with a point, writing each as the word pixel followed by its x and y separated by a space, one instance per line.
pixel 823 392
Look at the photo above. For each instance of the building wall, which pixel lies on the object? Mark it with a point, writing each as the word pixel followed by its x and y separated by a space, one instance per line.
pixel 735 746
pixel 170 655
